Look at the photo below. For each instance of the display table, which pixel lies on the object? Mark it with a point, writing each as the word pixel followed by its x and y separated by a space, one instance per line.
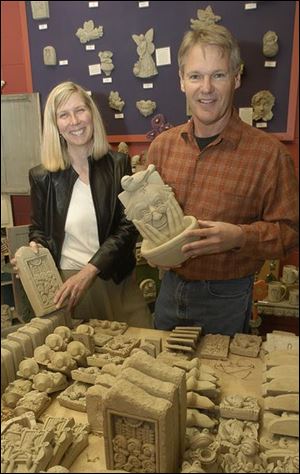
pixel 242 375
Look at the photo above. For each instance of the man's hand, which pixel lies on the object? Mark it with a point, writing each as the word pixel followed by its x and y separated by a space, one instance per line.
pixel 213 237
pixel 74 287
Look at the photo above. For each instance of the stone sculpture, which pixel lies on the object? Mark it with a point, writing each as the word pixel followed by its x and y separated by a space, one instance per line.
pixel 152 207
pixel 106 62
pixel 145 67
pixel 262 103
pixel 206 17
pixel 40 278
pixel 40 10
pixel 146 107
pixel 6 316
pixel 270 44
pixel 148 288
pixel 89 32
pixel 115 101
pixel 49 56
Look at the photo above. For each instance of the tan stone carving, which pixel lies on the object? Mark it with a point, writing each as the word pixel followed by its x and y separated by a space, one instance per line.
pixel 145 67
pixel 55 342
pixel 15 391
pixel 33 401
pixel 49 56
pixel 28 368
pixel 115 102
pixel 262 103
pixel 74 396
pixel 64 332
pixel 280 403
pixel 231 432
pixel 281 385
pixel 286 425
pixel 113 328
pixel 270 44
pixel 40 10
pixel 106 62
pixel 242 408
pixel 245 344
pixel 206 17
pixel 86 374
pixel 146 107
pixel 121 345
pixel 214 346
pixel 94 401
pixel 40 278
pixel 152 207
pixel 89 32
pixel 49 382
pixel 62 362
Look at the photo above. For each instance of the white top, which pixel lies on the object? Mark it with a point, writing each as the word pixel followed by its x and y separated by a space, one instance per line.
pixel 81 240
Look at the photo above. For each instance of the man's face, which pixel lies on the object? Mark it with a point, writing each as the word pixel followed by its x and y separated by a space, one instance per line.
pixel 209 86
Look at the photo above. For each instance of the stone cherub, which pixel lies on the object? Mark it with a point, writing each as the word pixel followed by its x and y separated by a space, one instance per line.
pixel 145 67
pixel 152 207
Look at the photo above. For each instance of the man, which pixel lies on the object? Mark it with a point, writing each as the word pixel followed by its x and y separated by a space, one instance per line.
pixel 239 182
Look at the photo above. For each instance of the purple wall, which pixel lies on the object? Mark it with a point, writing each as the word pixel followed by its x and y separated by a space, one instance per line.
pixel 121 19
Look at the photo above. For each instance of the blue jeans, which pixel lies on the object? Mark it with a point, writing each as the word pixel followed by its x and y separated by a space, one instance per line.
pixel 219 306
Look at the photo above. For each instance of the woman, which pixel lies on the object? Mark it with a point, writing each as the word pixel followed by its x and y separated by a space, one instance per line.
pixel 77 215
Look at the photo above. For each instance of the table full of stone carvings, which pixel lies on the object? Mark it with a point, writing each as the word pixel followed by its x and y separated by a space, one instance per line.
pixel 212 396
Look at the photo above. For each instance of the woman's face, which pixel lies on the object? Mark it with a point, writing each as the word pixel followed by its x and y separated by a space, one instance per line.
pixel 74 121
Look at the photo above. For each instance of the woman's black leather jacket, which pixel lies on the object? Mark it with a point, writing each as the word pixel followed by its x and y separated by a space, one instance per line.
pixel 50 197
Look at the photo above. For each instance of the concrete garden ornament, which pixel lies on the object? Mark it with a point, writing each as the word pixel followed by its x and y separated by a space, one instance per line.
pixel 89 32
pixel 152 207
pixel 145 67
pixel 146 107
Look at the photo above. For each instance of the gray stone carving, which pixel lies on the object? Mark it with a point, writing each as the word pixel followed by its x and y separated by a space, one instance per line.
pixel 262 103
pixel 40 278
pixel 106 62
pixel 115 102
pixel 40 10
pixel 270 44
pixel 146 107
pixel 145 67
pixel 49 56
pixel 89 32
pixel 206 17
pixel 148 288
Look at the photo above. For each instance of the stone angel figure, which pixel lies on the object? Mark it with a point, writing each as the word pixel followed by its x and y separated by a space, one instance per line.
pixel 145 67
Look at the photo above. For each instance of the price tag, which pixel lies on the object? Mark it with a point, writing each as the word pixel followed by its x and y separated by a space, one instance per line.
pixel 93 4
pixel 250 6
pixel 261 125
pixel 270 63
pixel 106 80
pixel 119 116
pixel 43 27
pixel 148 85
pixel 90 47
pixel 143 4
pixel 63 62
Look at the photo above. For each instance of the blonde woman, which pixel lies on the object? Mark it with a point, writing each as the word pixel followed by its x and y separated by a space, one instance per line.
pixel 77 215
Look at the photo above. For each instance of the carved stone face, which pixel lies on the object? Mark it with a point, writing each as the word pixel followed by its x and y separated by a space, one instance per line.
pixel 150 207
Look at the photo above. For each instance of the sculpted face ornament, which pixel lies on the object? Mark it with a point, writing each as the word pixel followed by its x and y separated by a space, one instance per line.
pixel 152 207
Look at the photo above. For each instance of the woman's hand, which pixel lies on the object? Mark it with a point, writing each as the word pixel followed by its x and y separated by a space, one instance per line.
pixel 35 248
pixel 75 286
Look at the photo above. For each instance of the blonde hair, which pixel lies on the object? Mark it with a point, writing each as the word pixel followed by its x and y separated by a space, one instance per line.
pixel 54 148
pixel 215 35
